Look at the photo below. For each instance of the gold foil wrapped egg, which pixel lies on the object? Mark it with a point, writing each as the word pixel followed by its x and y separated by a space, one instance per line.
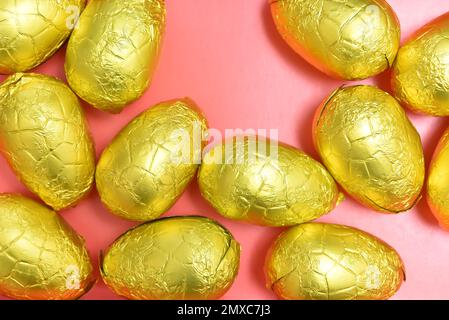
pixel 317 261
pixel 186 257
pixel 438 182
pixel 112 53
pixel 45 138
pixel 350 39
pixel 265 182
pixel 32 30
pixel 146 168
pixel 371 148
pixel 41 256
pixel 420 77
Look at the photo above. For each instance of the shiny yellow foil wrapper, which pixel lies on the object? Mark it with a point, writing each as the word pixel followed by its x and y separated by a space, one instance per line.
pixel 112 53
pixel 371 148
pixel 41 256
pixel 149 164
pixel 32 30
pixel 188 257
pixel 45 138
pixel 346 39
pixel 438 182
pixel 261 181
pixel 420 77
pixel 317 261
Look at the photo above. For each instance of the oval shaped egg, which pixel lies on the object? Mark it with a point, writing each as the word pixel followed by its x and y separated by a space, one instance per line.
pixel 371 148
pixel 45 138
pixel 317 261
pixel 438 182
pixel 177 258
pixel 113 51
pixel 265 182
pixel 41 256
pixel 151 161
pixel 420 76
pixel 351 39
pixel 32 30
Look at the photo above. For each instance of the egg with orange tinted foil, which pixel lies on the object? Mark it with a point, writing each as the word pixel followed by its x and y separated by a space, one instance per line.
pixel 32 30
pixel 188 257
pixel 371 148
pixel 317 261
pixel 113 51
pixel 262 181
pixel 350 39
pixel 438 182
pixel 148 165
pixel 41 256
pixel 420 77
pixel 45 138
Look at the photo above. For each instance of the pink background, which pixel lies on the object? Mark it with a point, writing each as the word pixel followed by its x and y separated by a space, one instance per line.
pixel 228 57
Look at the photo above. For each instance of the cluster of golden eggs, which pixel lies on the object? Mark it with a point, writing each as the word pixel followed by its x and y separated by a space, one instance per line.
pixel 367 145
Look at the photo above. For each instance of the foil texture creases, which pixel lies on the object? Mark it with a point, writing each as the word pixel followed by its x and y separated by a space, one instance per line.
pixel 41 256
pixel 438 182
pixel 346 39
pixel 178 258
pixel 45 138
pixel 420 76
pixel 264 182
pixel 32 30
pixel 371 148
pixel 316 261
pixel 148 165
pixel 113 51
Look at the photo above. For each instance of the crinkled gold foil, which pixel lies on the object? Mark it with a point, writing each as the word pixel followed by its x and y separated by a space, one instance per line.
pixel 276 189
pixel 316 261
pixel 113 52
pixel 32 30
pixel 438 182
pixel 141 174
pixel 172 258
pixel 371 148
pixel 41 256
pixel 45 138
pixel 346 39
pixel 420 77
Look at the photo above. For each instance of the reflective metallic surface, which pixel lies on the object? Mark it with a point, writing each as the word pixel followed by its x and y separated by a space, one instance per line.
pixel 371 148
pixel 172 258
pixel 32 30
pixel 113 51
pixel 328 261
pixel 347 39
pixel 438 182
pixel 148 165
pixel 45 138
pixel 41 256
pixel 244 181
pixel 421 72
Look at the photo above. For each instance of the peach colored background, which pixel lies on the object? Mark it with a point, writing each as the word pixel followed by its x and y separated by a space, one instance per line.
pixel 228 57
